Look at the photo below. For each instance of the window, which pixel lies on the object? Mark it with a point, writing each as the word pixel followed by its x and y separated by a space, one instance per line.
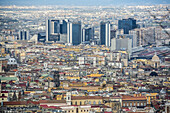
pixel 76 103
pixel 123 104
pixel 131 104
pixel 94 102
pixel 72 111
pixel 99 102
pixel 77 110
pixel 134 104
pixel 89 102
pixel 138 104
pixel 84 110
pixel 80 102
pixel 141 104
pixel 81 110
pixel 114 107
pixel 127 104
pixel 144 104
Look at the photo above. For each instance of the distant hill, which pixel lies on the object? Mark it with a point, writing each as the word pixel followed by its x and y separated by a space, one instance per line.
pixel 84 2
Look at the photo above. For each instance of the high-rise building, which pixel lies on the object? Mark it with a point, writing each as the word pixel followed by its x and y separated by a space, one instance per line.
pixel 87 34
pixel 63 27
pixel 130 36
pixel 105 33
pixel 144 36
pixel 138 37
pixel 48 29
pixel 41 37
pixel 74 33
pixel 54 28
pixel 69 32
pixel 121 44
pixel 23 35
pixel 127 24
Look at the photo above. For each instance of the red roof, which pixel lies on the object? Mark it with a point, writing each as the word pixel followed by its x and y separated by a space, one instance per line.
pixel 4 91
pixel 15 70
pixel 52 107
pixel 3 96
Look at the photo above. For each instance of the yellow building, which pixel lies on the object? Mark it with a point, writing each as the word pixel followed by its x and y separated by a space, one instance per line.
pixel 85 100
pixel 3 96
pixel 95 75
pixel 150 97
pixel 73 78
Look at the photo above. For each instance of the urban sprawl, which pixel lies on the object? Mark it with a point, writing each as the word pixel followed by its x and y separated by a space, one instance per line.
pixel 88 59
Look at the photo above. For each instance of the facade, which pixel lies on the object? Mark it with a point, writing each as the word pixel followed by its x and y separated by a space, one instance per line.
pixel 63 27
pixel 87 34
pixel 55 26
pixel 105 33
pixel 41 37
pixel 127 24
pixel 48 29
pixel 129 36
pixel 123 43
pixel 85 100
pixel 134 101
pixel 74 33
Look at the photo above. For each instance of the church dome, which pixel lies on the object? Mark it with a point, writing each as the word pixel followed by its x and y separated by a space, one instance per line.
pixel 155 58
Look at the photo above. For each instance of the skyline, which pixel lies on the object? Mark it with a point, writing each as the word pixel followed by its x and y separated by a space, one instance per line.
pixel 82 2
pixel 96 58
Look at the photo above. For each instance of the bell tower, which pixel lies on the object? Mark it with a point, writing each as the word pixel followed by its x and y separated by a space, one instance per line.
pixel 68 98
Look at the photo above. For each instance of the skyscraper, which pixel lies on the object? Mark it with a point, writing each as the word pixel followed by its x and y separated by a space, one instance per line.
pixel 63 27
pixel 47 29
pixel 87 34
pixel 54 28
pixel 23 35
pixel 105 33
pixel 69 32
pixel 74 33
pixel 127 24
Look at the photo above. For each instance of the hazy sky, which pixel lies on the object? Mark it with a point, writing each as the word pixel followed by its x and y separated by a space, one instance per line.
pixel 83 2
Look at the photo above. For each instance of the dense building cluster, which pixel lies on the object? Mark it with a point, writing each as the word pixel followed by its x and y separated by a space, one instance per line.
pixel 84 78
pixel 87 60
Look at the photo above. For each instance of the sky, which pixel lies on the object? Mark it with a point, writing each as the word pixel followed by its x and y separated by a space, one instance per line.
pixel 83 2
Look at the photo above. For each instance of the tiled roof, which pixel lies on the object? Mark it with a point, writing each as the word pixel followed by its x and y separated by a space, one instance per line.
pixel 85 97
pixel 52 101
pixel 125 97
pixel 19 103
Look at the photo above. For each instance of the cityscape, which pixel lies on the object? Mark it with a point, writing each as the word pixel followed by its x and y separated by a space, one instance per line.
pixel 84 56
